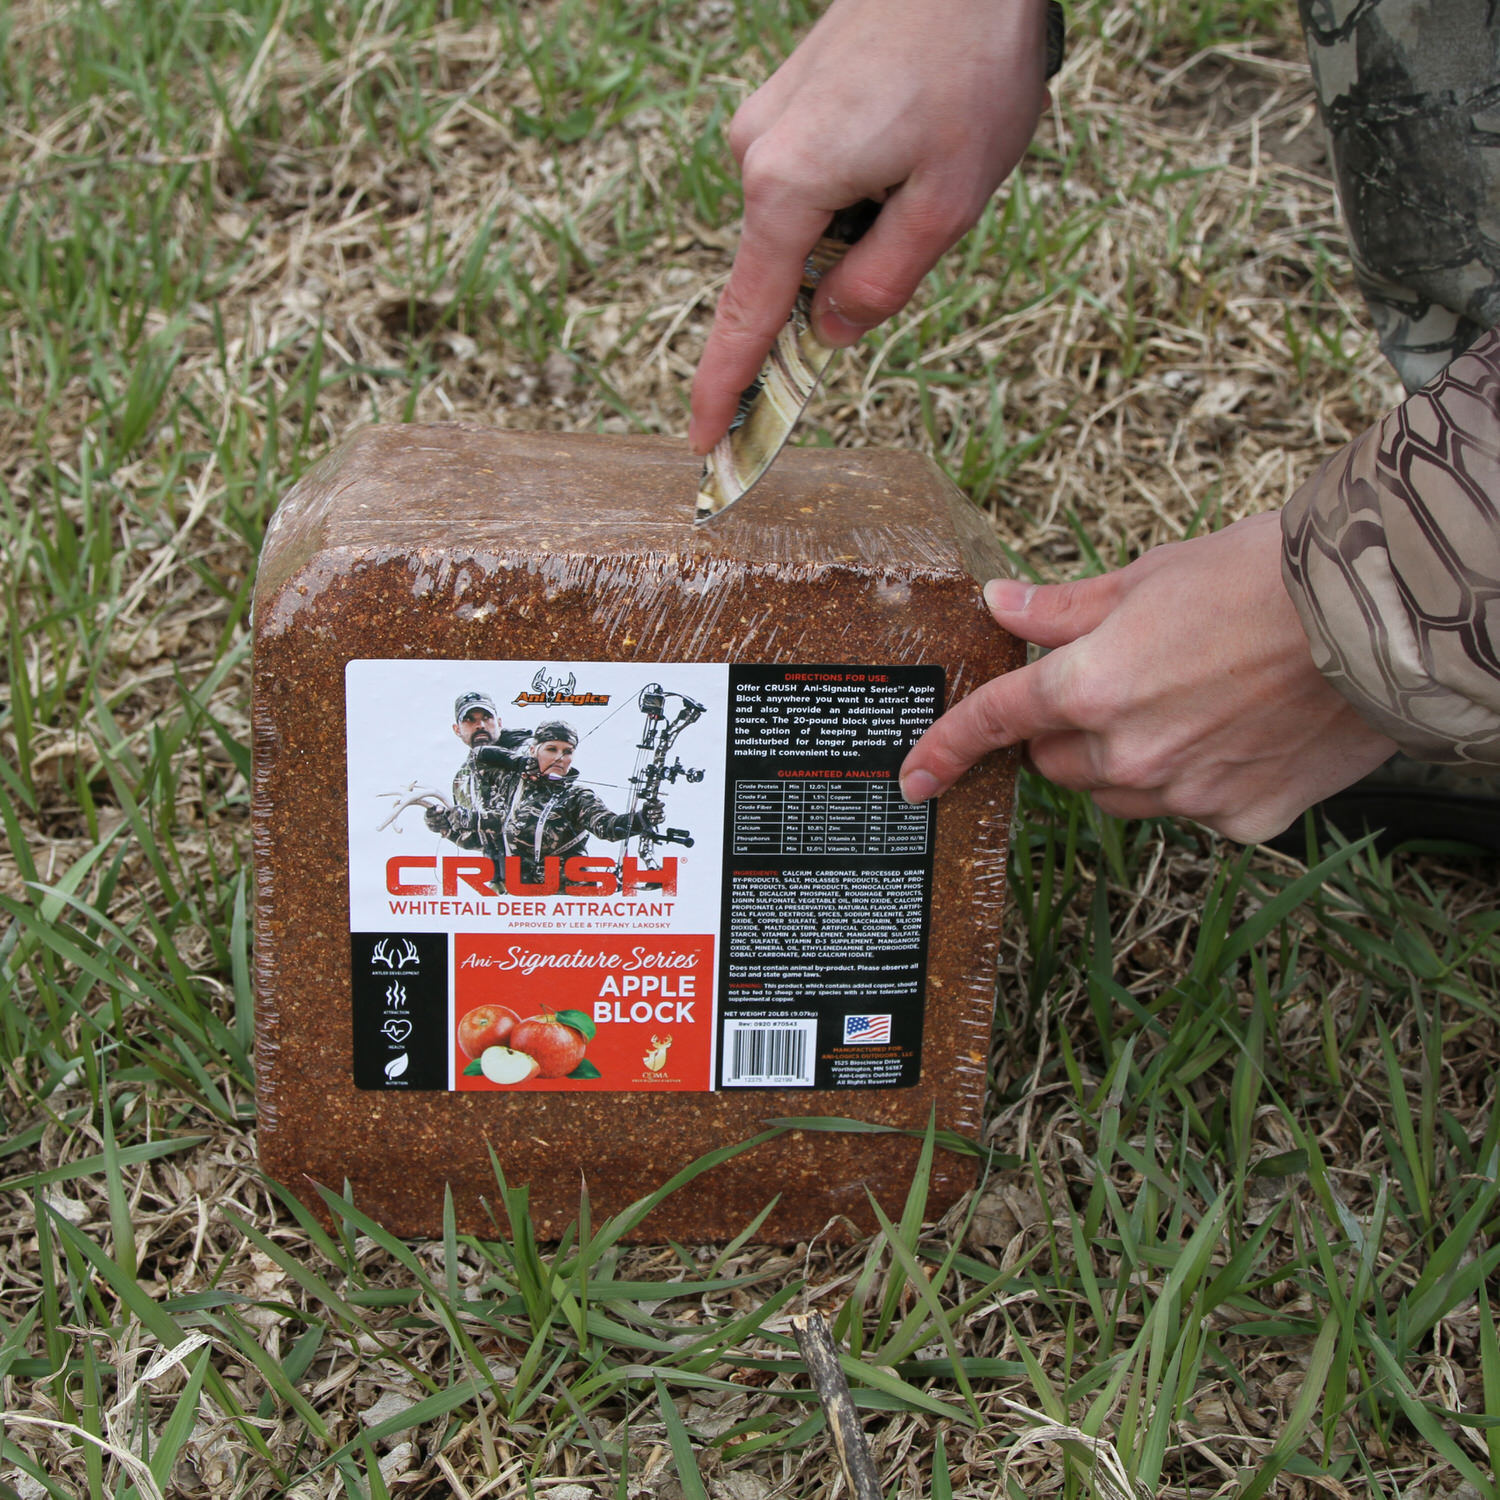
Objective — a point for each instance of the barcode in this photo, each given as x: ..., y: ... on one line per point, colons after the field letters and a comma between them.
x: 775, y: 1055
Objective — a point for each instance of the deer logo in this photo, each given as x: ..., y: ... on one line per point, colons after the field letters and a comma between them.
x: 554, y: 692
x: 656, y: 1059
x: 385, y: 953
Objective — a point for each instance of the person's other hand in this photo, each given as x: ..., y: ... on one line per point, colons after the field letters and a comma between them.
x: 451, y: 822
x: 1180, y: 685
x: 924, y: 106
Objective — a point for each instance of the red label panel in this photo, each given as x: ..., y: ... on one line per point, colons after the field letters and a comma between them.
x: 649, y: 1002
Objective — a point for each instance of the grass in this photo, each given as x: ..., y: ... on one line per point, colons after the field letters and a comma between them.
x: 1237, y: 1229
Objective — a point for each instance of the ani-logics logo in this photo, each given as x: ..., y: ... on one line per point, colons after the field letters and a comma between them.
x: 545, y: 691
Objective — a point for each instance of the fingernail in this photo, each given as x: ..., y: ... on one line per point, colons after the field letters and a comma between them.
x: 1008, y: 595
x: 919, y: 786
x: 837, y: 331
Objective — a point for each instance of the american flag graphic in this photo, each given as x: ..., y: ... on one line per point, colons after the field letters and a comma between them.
x: 867, y: 1028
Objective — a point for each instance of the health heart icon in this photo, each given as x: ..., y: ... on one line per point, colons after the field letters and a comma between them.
x: 398, y: 1030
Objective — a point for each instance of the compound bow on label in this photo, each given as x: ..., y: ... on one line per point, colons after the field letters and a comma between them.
x: 651, y: 769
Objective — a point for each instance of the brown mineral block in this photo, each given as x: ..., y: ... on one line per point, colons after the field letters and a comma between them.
x: 578, y: 839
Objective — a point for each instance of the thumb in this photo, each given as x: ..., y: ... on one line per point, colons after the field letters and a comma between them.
x: 1053, y: 614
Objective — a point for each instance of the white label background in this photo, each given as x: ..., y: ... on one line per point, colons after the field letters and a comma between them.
x: 400, y: 731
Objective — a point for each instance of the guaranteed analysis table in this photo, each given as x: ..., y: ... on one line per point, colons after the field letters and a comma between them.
x: 832, y: 817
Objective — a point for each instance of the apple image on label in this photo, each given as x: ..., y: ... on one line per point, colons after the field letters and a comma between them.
x: 502, y: 1065
x: 556, y: 1046
x: 485, y: 1026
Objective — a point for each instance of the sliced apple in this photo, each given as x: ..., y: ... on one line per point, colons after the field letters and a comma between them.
x: 506, y: 1065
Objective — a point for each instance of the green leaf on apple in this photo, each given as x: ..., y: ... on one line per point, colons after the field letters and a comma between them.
x: 474, y: 1070
x: 585, y: 1069
x: 579, y: 1022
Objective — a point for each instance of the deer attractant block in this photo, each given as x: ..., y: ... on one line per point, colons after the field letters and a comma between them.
x: 578, y: 837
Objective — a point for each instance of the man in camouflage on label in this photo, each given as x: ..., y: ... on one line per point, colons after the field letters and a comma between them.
x: 482, y: 792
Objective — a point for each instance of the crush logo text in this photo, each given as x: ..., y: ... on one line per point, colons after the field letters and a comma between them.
x: 413, y: 875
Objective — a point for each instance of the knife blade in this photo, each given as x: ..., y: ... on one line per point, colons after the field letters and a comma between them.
x: 770, y: 406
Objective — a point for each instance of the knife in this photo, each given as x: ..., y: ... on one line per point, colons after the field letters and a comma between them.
x: 770, y: 405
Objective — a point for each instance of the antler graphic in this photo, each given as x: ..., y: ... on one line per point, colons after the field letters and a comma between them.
x: 411, y: 796
x: 383, y: 953
x: 553, y: 692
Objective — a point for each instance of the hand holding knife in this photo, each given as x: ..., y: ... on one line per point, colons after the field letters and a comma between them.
x: 887, y: 48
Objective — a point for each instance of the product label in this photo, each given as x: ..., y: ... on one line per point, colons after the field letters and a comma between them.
x: 626, y: 876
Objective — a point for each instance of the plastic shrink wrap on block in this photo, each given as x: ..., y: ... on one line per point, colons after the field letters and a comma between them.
x: 698, y: 906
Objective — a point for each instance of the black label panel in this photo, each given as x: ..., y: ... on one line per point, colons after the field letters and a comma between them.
x: 400, y: 1010
x: 827, y: 877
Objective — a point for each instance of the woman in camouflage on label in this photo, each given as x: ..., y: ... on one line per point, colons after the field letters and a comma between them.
x: 551, y: 816
x: 1393, y: 548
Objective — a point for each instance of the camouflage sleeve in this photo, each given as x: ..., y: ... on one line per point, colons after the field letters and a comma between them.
x: 1408, y: 91
x: 450, y: 822
x: 589, y: 812
x: 1392, y: 557
x: 501, y: 758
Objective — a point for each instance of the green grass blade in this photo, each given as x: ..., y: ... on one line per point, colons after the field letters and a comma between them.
x: 179, y: 1425
x: 687, y: 1473
x: 1299, y: 1419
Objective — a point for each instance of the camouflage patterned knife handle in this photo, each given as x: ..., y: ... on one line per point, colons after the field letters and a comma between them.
x: 848, y: 224
x: 1057, y: 38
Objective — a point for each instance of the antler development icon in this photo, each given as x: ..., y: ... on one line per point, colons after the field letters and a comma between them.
x: 391, y: 955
